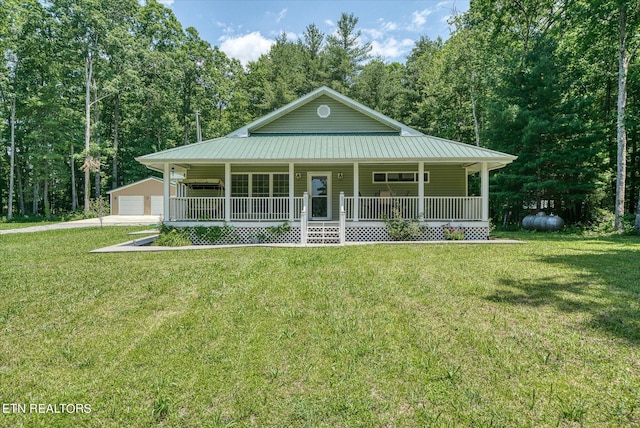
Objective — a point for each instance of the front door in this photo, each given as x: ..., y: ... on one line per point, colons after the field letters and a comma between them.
x: 320, y: 195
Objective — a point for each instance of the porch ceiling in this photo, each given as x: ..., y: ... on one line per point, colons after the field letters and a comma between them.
x: 327, y: 148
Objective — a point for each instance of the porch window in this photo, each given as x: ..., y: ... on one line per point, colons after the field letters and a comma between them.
x: 240, y: 185
x: 260, y: 185
x: 253, y: 195
x: 398, y: 177
x: 280, y: 185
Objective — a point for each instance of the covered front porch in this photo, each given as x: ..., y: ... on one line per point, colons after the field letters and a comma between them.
x: 347, y: 202
x: 357, y: 208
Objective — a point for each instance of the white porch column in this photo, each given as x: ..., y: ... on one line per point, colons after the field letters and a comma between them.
x: 291, y: 200
x: 166, y: 191
x: 227, y: 192
x: 484, y: 190
x: 421, y: 190
x: 303, y: 219
x: 343, y: 216
x: 356, y: 191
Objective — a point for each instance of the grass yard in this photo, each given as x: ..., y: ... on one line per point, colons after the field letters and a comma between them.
x: 542, y: 334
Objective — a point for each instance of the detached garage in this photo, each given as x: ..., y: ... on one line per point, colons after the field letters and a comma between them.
x: 143, y: 197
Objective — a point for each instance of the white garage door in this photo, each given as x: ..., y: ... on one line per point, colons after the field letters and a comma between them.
x: 131, y: 205
x: 157, y: 205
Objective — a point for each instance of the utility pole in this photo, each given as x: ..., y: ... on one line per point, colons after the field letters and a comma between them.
x: 198, y: 132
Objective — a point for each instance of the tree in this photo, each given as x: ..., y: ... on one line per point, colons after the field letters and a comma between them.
x: 313, y: 58
x: 380, y: 86
x: 277, y: 77
x: 557, y: 153
x: 9, y: 29
x: 627, y: 48
x: 345, y: 54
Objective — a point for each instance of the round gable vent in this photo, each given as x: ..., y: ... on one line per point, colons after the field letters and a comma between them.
x: 324, y: 111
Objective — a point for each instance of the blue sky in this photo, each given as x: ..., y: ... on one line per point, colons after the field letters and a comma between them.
x: 245, y: 29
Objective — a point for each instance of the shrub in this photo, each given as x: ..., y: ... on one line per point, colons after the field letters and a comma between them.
x: 172, y: 238
x: 212, y: 234
x: 453, y: 233
x: 401, y: 229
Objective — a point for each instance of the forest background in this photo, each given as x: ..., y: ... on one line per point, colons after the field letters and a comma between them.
x: 88, y: 85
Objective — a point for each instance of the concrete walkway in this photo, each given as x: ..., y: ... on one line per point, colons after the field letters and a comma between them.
x: 142, y: 245
x: 111, y: 220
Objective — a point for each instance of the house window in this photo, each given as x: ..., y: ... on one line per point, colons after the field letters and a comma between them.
x: 280, y: 185
x: 398, y: 177
x: 240, y: 185
x: 259, y: 185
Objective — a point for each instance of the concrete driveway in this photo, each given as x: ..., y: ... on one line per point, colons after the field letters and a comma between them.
x: 111, y: 220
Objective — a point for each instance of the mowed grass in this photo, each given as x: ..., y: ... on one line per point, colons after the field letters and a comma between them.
x: 541, y: 334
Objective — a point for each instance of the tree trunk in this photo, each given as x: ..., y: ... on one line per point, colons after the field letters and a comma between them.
x: 116, y: 116
x: 96, y: 120
x: 621, y: 169
x: 88, y: 74
x: 47, y: 206
x: 21, y: 192
x: 638, y: 214
x: 12, y: 159
x: 36, y: 198
x: 74, y: 192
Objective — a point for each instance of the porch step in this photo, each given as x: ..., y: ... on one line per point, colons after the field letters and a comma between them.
x: 323, y: 233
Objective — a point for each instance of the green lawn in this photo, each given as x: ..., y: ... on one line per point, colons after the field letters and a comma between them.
x: 542, y: 334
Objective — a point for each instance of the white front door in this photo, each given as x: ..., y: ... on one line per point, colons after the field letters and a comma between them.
x: 319, y: 188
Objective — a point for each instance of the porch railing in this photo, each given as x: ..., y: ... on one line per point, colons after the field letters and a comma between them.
x: 276, y: 208
x: 464, y: 208
x: 453, y: 208
x: 196, y: 209
x: 242, y: 208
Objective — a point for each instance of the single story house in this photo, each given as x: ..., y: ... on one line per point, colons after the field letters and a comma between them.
x: 333, y: 170
x: 144, y: 197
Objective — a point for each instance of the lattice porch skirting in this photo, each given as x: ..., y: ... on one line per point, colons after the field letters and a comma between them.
x: 361, y: 232
x: 250, y: 235
x: 371, y: 233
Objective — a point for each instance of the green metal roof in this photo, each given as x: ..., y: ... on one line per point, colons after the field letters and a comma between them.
x: 339, y: 142
x: 325, y: 148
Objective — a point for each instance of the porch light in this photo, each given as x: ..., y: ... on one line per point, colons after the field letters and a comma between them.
x: 340, y: 176
x: 298, y: 176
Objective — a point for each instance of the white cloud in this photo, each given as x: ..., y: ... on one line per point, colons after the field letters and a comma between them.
x: 291, y: 36
x: 329, y: 22
x: 381, y: 31
x: 420, y: 17
x: 391, y: 48
x: 281, y: 15
x: 372, y: 33
x: 166, y: 2
x: 389, y: 26
x: 246, y: 48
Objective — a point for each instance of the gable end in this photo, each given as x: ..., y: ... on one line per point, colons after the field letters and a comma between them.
x: 324, y: 115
